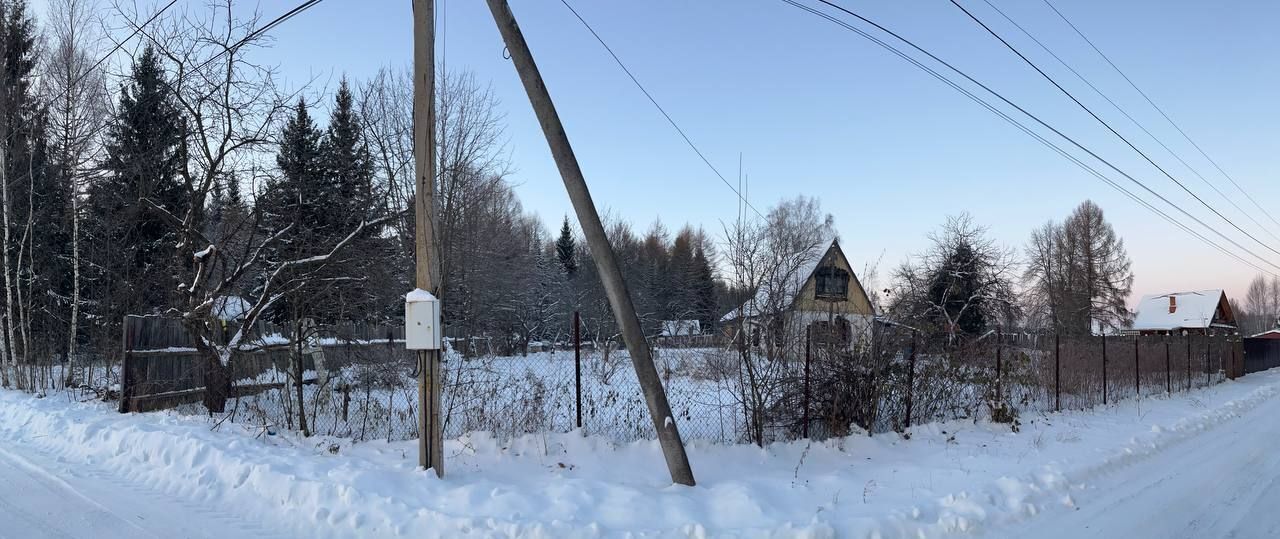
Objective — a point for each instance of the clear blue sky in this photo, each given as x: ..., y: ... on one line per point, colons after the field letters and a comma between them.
x: 816, y: 110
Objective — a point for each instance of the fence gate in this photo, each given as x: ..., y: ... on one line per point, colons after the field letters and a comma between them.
x: 1261, y: 354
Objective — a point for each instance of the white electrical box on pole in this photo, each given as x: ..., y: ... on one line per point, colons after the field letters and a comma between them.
x: 421, y: 321
x: 427, y: 260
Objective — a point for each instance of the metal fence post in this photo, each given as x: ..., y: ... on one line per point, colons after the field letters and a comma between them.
x: 1168, y: 368
x: 1057, y: 373
x: 126, y: 366
x: 1188, y: 339
x: 1137, y: 369
x: 999, y: 366
x: 577, y: 363
x: 808, y: 342
x: 1104, y: 369
x: 910, y: 382
x: 1208, y: 351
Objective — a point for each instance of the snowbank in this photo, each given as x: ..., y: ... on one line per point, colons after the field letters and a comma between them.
x: 952, y: 477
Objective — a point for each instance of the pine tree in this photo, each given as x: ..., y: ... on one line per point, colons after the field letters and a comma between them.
x: 17, y: 41
x: 679, y: 281
x: 324, y: 192
x: 133, y: 243
x: 704, y: 286
x: 44, y: 209
x: 348, y: 167
x: 955, y: 289
x: 566, y: 250
x: 348, y: 174
x: 296, y: 199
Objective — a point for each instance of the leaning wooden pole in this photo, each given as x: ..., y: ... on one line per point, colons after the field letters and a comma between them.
x: 427, y: 266
x: 601, y: 251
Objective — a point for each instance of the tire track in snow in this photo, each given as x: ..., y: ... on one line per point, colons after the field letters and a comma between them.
x: 94, y: 502
x: 1166, y: 484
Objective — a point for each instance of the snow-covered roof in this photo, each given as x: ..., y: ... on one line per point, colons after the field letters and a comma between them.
x: 230, y: 308
x: 788, y: 288
x: 1181, y: 310
x: 676, y: 328
x: 1269, y: 334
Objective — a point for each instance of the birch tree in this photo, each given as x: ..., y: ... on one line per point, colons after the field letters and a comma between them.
x: 76, y: 93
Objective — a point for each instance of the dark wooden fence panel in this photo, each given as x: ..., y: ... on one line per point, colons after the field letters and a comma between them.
x: 1261, y: 354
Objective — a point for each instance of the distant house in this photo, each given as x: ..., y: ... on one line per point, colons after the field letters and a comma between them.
x: 231, y: 308
x: 823, y: 294
x: 1273, y: 334
x: 681, y: 328
x: 1189, y: 313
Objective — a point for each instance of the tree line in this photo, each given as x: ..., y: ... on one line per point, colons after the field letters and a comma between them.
x: 191, y: 183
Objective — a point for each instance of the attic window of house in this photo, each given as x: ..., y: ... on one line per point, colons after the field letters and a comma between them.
x: 832, y: 283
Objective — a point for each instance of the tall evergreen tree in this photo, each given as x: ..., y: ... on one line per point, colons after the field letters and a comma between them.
x: 133, y: 252
x: 704, y: 291
x: 348, y: 169
x: 294, y: 196
x: 45, y: 214
x: 566, y: 250
x: 956, y: 291
x: 348, y: 174
x: 324, y: 191
x: 295, y: 200
x: 17, y: 112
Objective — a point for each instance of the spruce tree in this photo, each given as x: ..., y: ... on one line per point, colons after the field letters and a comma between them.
x: 296, y: 199
x: 134, y: 244
x: 348, y: 172
x: 955, y: 289
x: 348, y: 167
x: 566, y: 250
x: 295, y: 196
x: 704, y: 289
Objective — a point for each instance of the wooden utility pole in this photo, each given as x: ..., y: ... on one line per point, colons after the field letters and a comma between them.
x: 601, y: 251
x: 427, y: 267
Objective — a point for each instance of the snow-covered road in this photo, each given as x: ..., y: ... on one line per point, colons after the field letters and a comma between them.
x: 1203, y: 463
x: 1223, y: 482
x: 41, y: 496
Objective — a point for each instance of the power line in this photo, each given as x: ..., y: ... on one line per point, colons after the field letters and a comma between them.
x: 242, y: 41
x: 262, y: 30
x: 1133, y: 120
x: 1028, y: 131
x: 1108, y: 126
x: 670, y: 120
x: 119, y: 45
x: 1057, y: 132
x: 1160, y: 110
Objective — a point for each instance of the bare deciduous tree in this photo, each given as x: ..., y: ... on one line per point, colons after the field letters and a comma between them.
x: 962, y: 286
x: 1079, y: 274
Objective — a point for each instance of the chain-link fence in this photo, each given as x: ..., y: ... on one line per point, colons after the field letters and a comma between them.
x: 359, y: 382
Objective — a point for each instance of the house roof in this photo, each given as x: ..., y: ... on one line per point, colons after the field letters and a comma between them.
x: 1189, y: 310
x: 790, y: 287
x: 1269, y: 334
x: 230, y: 308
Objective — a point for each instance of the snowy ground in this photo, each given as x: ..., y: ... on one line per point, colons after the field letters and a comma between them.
x: 1199, y: 464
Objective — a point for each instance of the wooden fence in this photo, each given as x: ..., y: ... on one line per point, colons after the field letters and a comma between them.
x: 162, y: 367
